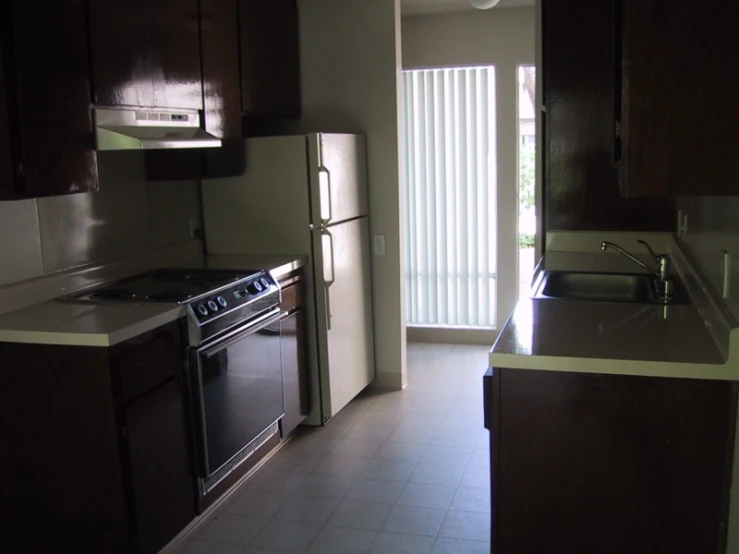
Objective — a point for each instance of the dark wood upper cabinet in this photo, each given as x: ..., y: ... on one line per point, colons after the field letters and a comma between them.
x: 219, y: 32
x: 45, y: 119
x: 228, y: 58
x: 6, y: 159
x: 219, y: 41
x: 581, y: 183
x: 270, y: 58
x: 250, y: 67
x: 146, y: 53
x: 679, y: 112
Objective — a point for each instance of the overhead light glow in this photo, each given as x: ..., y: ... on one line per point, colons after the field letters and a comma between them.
x: 484, y: 4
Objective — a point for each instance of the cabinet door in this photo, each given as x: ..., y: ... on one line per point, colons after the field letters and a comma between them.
x: 221, y: 83
x: 219, y: 36
x: 146, y: 53
x: 611, y: 463
x: 7, y: 184
x: 270, y: 58
x: 48, y: 84
x: 679, y: 105
x: 162, y: 482
x: 580, y: 181
x: 294, y: 369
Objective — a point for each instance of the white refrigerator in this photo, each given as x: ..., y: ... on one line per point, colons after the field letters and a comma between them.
x: 307, y: 195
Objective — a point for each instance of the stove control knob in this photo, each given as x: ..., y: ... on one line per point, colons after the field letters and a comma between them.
x: 202, y: 310
x: 265, y: 283
x: 213, y: 306
x: 255, y: 287
x: 221, y: 301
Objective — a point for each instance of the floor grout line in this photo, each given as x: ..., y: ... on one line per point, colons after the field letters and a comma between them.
x: 423, y: 399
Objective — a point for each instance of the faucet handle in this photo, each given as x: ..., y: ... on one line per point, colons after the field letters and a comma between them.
x: 654, y: 255
x: 662, y: 260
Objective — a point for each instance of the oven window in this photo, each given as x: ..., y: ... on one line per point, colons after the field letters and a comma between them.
x: 241, y: 394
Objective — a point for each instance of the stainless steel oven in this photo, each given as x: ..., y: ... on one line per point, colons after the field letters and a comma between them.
x: 234, y: 365
x: 236, y: 391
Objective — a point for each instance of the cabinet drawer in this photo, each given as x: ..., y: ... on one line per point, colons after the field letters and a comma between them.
x: 144, y: 362
x: 292, y: 297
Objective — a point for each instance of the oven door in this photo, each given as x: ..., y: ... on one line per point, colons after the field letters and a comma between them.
x: 236, y: 386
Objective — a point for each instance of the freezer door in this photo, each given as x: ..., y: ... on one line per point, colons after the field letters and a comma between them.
x: 338, y: 178
x: 343, y: 312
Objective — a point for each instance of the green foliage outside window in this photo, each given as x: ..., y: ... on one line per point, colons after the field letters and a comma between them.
x: 526, y: 191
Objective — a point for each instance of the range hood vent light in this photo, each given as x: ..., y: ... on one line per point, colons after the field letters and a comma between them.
x: 150, y: 130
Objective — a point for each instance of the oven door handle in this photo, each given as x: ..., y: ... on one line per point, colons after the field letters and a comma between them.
x: 273, y: 316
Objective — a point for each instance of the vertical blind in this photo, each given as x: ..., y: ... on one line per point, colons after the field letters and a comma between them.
x: 449, y: 188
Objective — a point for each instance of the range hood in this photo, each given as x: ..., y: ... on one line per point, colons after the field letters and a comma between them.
x: 150, y: 129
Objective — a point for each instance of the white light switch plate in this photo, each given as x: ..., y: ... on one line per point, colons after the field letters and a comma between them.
x: 379, y: 245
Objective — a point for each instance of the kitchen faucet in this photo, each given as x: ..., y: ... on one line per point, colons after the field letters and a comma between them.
x: 665, y: 282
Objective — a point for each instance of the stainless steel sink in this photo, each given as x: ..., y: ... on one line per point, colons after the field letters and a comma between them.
x: 597, y: 287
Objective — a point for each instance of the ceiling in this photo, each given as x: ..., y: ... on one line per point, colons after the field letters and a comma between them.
x: 419, y: 7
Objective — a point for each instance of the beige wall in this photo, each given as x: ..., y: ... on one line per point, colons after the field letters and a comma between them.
x: 350, y: 76
x: 127, y: 216
x: 506, y: 39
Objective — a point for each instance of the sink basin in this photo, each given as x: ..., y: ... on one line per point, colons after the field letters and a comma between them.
x: 597, y: 287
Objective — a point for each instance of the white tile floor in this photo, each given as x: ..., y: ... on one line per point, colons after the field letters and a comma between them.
x: 397, y: 472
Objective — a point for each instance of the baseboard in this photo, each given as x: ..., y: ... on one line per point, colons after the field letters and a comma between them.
x: 451, y: 335
x: 388, y: 381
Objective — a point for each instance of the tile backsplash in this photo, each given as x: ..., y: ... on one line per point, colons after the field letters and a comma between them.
x: 127, y: 216
x: 713, y: 227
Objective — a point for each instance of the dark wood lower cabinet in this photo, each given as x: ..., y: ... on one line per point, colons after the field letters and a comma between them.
x: 584, y: 463
x: 294, y: 361
x: 161, y: 487
x: 95, y: 452
x: 294, y: 377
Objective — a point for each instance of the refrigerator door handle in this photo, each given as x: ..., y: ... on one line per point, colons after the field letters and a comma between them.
x: 327, y: 282
x: 324, y: 182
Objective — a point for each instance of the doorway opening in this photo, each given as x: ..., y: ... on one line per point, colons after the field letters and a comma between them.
x: 526, y: 176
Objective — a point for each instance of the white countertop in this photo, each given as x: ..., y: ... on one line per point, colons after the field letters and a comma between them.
x: 106, y: 324
x: 599, y: 337
x: 84, y: 324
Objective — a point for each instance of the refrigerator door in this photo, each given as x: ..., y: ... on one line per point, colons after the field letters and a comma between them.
x: 343, y: 312
x: 338, y: 178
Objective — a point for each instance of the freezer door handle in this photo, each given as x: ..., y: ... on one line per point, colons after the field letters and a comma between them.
x: 328, y: 252
x: 324, y: 184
